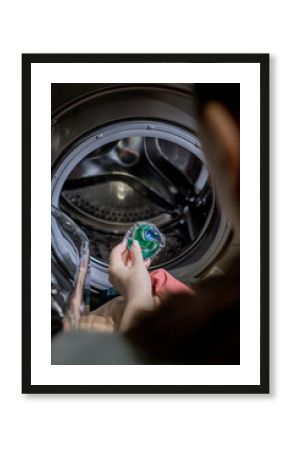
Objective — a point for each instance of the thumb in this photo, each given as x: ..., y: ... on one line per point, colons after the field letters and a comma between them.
x: 137, y: 253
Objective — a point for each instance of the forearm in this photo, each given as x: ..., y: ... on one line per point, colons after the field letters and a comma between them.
x: 133, y: 308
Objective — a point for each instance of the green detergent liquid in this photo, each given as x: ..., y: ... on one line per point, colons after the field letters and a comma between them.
x: 150, y: 239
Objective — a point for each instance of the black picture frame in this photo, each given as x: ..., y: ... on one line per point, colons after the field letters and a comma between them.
x: 263, y: 61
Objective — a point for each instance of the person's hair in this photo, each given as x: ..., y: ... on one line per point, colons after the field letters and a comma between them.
x: 228, y: 94
x: 200, y: 329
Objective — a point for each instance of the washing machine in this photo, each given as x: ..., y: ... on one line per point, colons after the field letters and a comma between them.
x: 124, y: 153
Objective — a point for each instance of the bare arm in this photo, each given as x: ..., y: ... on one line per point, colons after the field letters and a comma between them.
x: 128, y: 273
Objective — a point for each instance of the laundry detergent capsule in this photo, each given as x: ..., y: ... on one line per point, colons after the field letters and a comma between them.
x: 149, y: 237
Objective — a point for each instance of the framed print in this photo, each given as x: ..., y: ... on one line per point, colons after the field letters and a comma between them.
x: 146, y: 219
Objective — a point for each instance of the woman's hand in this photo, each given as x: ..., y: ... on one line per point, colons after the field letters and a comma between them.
x: 128, y: 272
x: 129, y: 275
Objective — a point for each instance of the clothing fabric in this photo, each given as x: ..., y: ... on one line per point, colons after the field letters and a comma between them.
x: 164, y: 285
x: 84, y: 348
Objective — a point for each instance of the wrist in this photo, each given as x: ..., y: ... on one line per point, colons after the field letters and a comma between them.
x: 134, y: 306
x: 137, y: 300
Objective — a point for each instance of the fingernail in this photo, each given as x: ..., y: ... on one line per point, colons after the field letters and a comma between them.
x: 136, y: 243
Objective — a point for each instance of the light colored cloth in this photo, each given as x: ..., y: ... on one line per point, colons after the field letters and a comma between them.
x: 108, y: 316
x: 112, y: 312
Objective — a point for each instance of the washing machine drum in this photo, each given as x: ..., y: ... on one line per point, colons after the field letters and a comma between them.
x: 128, y: 153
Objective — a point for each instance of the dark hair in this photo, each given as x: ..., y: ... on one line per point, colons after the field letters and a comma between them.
x: 200, y: 329
x: 227, y: 94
